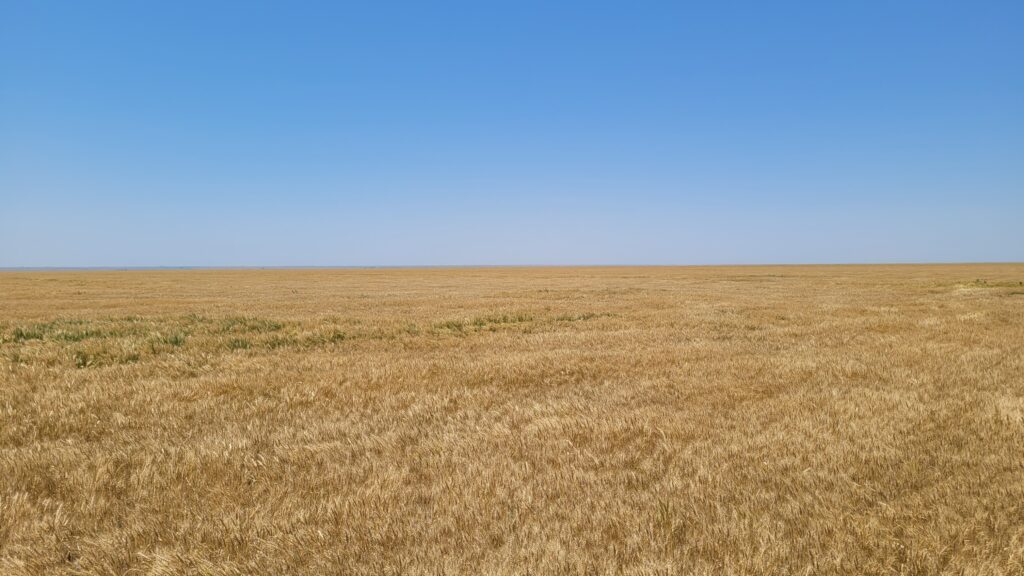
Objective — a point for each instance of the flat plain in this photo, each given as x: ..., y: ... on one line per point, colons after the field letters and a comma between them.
x: 691, y: 420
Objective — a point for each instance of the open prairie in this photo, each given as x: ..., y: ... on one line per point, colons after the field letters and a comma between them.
x: 741, y: 420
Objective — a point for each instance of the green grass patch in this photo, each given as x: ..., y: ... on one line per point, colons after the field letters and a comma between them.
x: 26, y: 334
x: 496, y: 319
x: 239, y: 344
x: 577, y: 317
x: 247, y: 324
x: 173, y: 339
x: 454, y: 326
x: 275, y: 342
x: 79, y: 335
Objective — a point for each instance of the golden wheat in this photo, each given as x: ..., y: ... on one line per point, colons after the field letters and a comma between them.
x: 768, y: 420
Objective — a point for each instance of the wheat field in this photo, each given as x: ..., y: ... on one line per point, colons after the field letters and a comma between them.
x: 703, y: 420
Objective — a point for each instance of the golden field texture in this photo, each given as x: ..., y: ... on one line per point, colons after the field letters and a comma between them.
x: 747, y: 420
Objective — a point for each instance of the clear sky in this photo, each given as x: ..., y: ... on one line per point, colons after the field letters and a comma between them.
x: 431, y: 133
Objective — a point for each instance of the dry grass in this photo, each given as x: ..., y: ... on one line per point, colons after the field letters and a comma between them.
x: 777, y: 420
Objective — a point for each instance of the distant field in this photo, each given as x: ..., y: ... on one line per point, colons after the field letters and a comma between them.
x: 747, y: 420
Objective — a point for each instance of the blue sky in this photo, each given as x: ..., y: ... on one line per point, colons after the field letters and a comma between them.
x: 432, y: 133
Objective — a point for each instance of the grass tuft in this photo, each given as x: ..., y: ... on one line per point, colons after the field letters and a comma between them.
x: 577, y: 317
x: 455, y: 326
x: 83, y: 359
x: 26, y: 334
x: 173, y: 339
x: 238, y: 344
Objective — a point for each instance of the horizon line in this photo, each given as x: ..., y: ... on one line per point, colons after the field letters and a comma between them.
x: 470, y: 266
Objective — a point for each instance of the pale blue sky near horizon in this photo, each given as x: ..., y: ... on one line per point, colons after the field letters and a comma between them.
x: 459, y: 133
